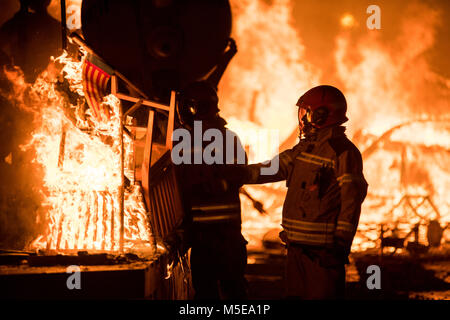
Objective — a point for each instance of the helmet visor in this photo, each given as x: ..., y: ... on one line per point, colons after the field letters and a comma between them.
x: 303, y: 114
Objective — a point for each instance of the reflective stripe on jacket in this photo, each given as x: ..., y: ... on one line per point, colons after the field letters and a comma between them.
x: 326, y: 188
x: 208, y: 198
x: 216, y: 213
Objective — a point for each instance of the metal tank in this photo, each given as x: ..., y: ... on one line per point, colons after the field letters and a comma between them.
x: 160, y: 45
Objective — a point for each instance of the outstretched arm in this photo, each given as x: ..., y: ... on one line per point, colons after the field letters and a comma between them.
x: 278, y: 169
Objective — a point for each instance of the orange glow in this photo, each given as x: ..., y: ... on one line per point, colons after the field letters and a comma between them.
x: 259, y: 91
x: 81, y: 161
x: 398, y: 108
x: 385, y: 86
x: 348, y: 21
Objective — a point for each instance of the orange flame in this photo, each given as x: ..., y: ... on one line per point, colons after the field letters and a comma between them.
x: 386, y: 85
x: 81, y: 158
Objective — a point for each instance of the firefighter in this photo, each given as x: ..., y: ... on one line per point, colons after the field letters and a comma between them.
x: 326, y: 188
x: 213, y: 213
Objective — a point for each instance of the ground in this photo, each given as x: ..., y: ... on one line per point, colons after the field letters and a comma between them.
x: 424, y: 277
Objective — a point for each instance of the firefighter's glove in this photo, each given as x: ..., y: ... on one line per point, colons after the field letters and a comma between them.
x: 284, y: 238
x: 337, y: 255
x: 341, y: 247
x: 173, y: 244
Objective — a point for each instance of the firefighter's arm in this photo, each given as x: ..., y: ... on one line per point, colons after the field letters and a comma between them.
x: 353, y: 189
x: 277, y: 169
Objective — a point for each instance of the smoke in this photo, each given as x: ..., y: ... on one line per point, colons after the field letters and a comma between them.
x: 21, y: 200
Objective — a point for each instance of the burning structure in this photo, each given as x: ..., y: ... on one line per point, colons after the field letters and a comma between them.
x: 397, y: 102
x: 102, y: 143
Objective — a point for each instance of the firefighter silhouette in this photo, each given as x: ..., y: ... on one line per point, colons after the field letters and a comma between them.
x: 212, y: 225
x: 212, y: 206
x: 326, y: 188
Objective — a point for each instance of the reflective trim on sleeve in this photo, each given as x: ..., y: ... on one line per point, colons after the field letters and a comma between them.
x: 312, y: 158
x: 345, y: 226
x: 309, y: 226
x: 223, y: 207
x: 204, y: 213
x: 347, y: 178
x: 214, y: 218
x: 308, y: 238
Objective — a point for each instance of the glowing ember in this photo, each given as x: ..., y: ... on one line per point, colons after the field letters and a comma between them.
x: 348, y: 20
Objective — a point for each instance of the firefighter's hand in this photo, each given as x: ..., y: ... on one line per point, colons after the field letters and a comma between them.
x: 174, y: 244
x: 341, y: 247
x: 283, y: 237
x: 336, y: 255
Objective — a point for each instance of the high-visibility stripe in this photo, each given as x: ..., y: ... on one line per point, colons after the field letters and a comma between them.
x: 308, y: 237
x: 345, y: 226
x: 214, y: 218
x: 309, y: 161
x: 309, y: 226
x: 318, y: 157
x: 312, y: 158
x: 217, y: 207
x: 347, y: 178
x: 216, y: 212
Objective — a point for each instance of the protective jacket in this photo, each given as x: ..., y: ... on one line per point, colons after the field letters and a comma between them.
x: 326, y: 187
x: 211, y: 199
x: 213, y: 224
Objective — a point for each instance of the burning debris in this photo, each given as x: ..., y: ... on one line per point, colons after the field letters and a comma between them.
x: 80, y: 156
x: 398, y: 106
x: 70, y: 195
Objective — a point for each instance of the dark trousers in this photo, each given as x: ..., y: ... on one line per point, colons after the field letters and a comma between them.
x: 218, y: 262
x: 314, y: 274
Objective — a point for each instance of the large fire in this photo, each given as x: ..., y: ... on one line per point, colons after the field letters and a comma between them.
x: 81, y: 158
x: 398, y: 110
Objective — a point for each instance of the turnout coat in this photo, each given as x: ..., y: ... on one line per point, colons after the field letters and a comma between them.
x: 326, y: 188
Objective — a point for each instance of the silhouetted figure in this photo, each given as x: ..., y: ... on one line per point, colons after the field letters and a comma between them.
x: 326, y: 187
x: 213, y: 212
x: 31, y: 37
